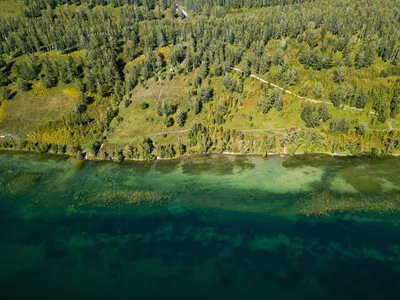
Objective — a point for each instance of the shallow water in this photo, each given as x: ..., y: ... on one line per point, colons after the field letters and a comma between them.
x: 304, y: 227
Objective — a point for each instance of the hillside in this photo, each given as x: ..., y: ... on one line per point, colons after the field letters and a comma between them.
x: 141, y: 79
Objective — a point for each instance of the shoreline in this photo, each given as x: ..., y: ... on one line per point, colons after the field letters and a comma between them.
x: 225, y: 153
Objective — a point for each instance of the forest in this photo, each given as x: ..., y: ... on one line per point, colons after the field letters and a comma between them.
x: 147, y: 79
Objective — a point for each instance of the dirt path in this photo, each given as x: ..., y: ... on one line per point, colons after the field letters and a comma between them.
x: 4, y: 135
x: 244, y: 130
x: 298, y: 96
x: 264, y: 129
x: 182, y: 10
x: 389, y: 125
x: 158, y: 101
x: 167, y: 132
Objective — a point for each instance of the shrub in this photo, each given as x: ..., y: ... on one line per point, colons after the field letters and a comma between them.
x: 170, y: 109
x: 291, y: 77
x: 271, y: 99
x: 318, y: 90
x: 127, y: 102
x: 169, y: 122
x: 144, y: 105
x: 323, y: 112
x: 206, y: 93
x: 395, y: 105
x: 361, y: 100
x: 341, y: 125
x: 182, y: 149
x: 120, y: 156
x: 23, y: 85
x: 197, y: 106
x: 338, y: 75
x: 277, y: 100
x: 5, y: 93
x: 361, y: 129
x: 181, y: 118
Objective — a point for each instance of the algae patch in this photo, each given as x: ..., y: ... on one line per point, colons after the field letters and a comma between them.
x: 111, y: 198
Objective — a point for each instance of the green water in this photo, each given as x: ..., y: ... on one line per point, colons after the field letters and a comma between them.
x: 216, y: 227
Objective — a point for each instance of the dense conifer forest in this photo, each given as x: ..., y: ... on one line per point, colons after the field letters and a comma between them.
x: 140, y: 79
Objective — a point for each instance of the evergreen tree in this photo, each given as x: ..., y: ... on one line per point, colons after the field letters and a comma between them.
x: 323, y: 112
x: 310, y: 115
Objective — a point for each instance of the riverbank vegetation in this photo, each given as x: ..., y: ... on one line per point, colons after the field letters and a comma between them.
x: 146, y: 79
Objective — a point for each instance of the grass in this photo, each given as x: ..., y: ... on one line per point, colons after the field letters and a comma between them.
x: 27, y: 111
x: 56, y: 55
x: 11, y: 8
x: 138, y: 122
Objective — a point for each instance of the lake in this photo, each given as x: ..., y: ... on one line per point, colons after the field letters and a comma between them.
x: 216, y: 227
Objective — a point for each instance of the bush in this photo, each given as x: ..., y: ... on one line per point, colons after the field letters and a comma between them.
x: 318, y: 90
x: 120, y: 156
x: 144, y: 105
x: 338, y: 96
x: 312, y: 59
x: 338, y: 75
x: 383, y: 111
x: 340, y: 126
x: 43, y: 147
x: 271, y: 99
x: 4, y: 93
x: 291, y: 77
x: 264, y: 105
x: 181, y: 118
x: 197, y: 106
x: 127, y: 102
x: 206, y: 93
x: 361, y: 129
x: 277, y: 100
x: 395, y: 105
x: 169, y: 122
x: 23, y: 85
x: 182, y: 149
x: 323, y: 112
x: 361, y: 100
x: 170, y: 109
x: 95, y: 147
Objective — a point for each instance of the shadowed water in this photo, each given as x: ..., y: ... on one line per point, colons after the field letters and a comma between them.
x: 304, y: 227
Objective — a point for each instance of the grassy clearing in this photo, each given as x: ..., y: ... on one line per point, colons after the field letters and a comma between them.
x: 29, y: 110
x: 138, y: 122
x: 56, y: 55
x: 11, y: 8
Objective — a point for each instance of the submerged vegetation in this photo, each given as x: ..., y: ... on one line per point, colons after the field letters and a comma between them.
x: 20, y: 183
x: 116, y: 198
x: 324, y: 203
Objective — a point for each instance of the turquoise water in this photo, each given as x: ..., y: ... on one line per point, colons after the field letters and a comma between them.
x: 303, y: 227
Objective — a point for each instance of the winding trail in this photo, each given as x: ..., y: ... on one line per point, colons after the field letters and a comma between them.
x: 298, y: 96
x: 244, y: 130
x: 389, y: 125
x: 167, y: 132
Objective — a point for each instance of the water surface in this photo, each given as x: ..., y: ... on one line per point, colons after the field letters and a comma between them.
x: 303, y: 227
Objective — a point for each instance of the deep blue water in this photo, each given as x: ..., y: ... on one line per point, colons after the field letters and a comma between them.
x: 217, y: 229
